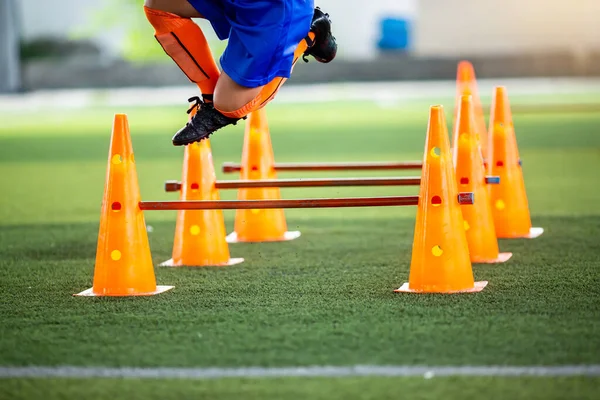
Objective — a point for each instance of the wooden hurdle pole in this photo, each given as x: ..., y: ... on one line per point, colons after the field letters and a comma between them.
x: 230, y: 167
x: 175, y: 186
x: 463, y: 198
x: 283, y: 203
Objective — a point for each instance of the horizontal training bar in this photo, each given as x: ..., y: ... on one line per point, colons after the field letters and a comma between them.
x: 229, y: 167
x: 553, y: 108
x: 463, y: 198
x: 284, y: 203
x: 325, y: 182
x: 174, y: 186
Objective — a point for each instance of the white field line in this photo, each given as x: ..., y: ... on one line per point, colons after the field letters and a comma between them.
x: 379, y: 92
x: 313, y: 371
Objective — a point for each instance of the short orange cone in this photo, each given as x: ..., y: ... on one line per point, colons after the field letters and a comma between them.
x: 510, y: 207
x: 440, y: 255
x: 199, y: 234
x: 470, y: 176
x: 466, y: 84
x: 123, y: 260
x: 258, y: 163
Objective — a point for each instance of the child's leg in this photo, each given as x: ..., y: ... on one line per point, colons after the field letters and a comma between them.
x: 182, y: 8
x: 183, y: 41
x: 236, y: 101
x: 257, y: 60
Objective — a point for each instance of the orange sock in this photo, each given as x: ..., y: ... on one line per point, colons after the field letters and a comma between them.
x: 268, y: 92
x: 185, y: 43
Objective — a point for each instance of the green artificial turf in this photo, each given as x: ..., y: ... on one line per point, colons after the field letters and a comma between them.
x: 315, y: 388
x: 326, y: 298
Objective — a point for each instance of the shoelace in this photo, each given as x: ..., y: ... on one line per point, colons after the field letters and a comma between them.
x: 197, y: 103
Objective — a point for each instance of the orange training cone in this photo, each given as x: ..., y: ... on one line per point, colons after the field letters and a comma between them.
x: 123, y: 260
x: 258, y: 163
x: 510, y: 207
x: 440, y: 255
x: 466, y: 84
x: 199, y: 234
x: 470, y: 176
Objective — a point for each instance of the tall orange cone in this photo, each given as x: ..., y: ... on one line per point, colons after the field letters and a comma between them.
x: 123, y: 260
x: 470, y: 177
x: 199, y: 234
x: 466, y: 84
x: 258, y: 163
x: 510, y: 207
x: 440, y: 255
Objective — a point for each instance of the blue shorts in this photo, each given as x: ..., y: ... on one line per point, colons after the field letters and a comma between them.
x: 263, y: 35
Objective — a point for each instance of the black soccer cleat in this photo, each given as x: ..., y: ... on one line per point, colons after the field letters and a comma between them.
x: 324, y: 47
x: 206, y: 120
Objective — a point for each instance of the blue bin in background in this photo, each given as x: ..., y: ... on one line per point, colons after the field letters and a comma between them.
x: 395, y: 34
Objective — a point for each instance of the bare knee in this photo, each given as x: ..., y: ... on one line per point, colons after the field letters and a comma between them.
x: 178, y: 7
x: 230, y: 96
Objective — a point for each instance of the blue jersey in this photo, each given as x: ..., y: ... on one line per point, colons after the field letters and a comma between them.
x: 263, y: 35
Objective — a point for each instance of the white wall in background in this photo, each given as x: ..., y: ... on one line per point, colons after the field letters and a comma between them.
x: 473, y: 27
x: 356, y: 22
x: 62, y: 18
x: 442, y: 27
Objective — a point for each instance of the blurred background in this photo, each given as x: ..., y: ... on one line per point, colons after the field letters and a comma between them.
x: 108, y: 43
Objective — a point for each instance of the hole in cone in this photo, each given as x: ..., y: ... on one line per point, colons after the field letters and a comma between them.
x: 116, y: 159
x: 464, y: 181
x: 115, y: 255
x: 436, y: 201
x: 194, y: 230
x: 116, y: 206
x: 194, y: 186
x: 499, y: 164
x: 435, y: 152
x: 437, y: 251
x: 254, y: 168
x: 500, y: 205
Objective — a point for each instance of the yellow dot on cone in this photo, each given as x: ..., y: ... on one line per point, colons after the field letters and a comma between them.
x: 194, y: 230
x: 254, y: 211
x: 500, y: 205
x: 437, y: 251
x: 115, y: 255
x: 467, y: 227
x: 116, y: 159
